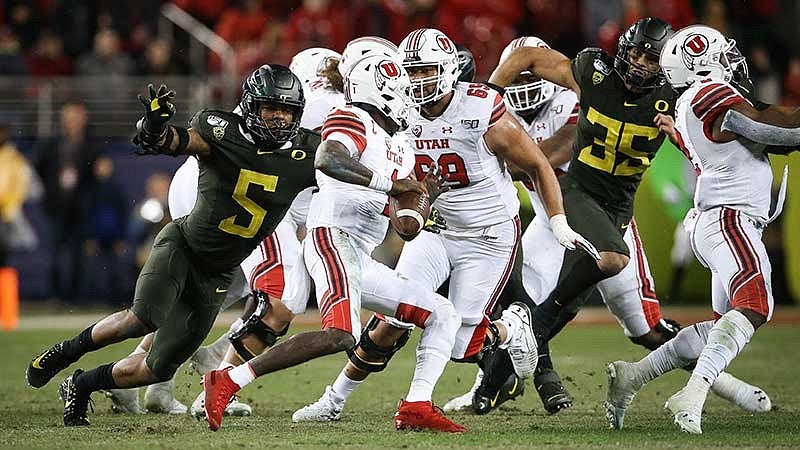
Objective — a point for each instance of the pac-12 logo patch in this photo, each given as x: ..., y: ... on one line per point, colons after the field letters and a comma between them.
x: 695, y: 45
x: 417, y: 130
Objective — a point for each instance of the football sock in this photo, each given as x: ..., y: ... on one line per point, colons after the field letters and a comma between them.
x: 242, y: 375
x: 433, y: 352
x: 544, y: 357
x: 96, y: 379
x: 224, y: 365
x: 679, y: 351
x: 726, y: 339
x: 343, y: 387
x: 80, y: 344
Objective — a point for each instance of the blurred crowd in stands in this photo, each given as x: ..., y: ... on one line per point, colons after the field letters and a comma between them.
x: 89, y: 218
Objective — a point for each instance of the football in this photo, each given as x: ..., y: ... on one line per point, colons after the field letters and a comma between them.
x: 408, y: 213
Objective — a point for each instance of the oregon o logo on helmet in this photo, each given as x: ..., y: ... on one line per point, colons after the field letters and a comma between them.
x: 695, y: 45
x: 444, y: 43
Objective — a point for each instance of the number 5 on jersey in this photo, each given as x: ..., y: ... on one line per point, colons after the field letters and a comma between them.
x: 247, y: 177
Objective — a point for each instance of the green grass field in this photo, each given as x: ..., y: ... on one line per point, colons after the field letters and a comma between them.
x: 32, y: 418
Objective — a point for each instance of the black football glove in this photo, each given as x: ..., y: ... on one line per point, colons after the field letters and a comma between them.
x: 151, y: 129
x: 435, y: 223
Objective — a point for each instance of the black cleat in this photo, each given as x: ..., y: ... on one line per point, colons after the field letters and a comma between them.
x: 484, y: 402
x: 554, y: 395
x: 44, y: 367
x: 75, y: 403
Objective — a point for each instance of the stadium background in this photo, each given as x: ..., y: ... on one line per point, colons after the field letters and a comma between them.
x: 92, y: 208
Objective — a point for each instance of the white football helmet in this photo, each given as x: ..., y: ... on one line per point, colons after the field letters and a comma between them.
x: 383, y: 83
x: 698, y: 52
x: 430, y: 47
x: 530, y: 95
x: 362, y: 47
x: 309, y: 64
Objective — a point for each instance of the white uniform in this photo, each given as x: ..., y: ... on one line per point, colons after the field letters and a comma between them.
x: 346, y: 223
x: 478, y: 248
x: 731, y: 201
x: 629, y: 295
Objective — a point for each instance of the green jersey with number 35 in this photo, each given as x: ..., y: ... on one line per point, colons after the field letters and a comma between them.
x: 616, y: 137
x: 244, y: 190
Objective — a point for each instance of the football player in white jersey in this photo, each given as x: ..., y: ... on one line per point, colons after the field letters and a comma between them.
x: 725, y: 138
x: 464, y: 129
x: 363, y: 157
x: 550, y: 114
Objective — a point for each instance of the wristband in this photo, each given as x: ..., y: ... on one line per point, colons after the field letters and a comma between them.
x: 380, y: 183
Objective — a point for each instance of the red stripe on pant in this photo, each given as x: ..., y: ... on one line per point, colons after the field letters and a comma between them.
x: 411, y: 314
x: 650, y: 306
x: 747, y: 287
x: 749, y: 291
x: 268, y: 276
x: 478, y: 336
x: 334, y: 306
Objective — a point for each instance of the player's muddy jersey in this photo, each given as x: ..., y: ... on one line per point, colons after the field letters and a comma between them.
x: 616, y: 138
x: 482, y: 192
x: 735, y: 174
x: 243, y: 190
x: 358, y: 210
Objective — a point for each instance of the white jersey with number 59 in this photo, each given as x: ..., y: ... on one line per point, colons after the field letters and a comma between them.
x: 482, y: 193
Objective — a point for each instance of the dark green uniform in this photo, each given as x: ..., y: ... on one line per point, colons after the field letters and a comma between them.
x: 243, y: 193
x: 615, y: 142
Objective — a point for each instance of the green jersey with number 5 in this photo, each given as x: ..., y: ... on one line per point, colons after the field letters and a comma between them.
x: 616, y: 137
x: 244, y: 190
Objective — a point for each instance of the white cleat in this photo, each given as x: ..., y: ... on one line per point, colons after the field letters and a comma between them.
x: 463, y: 402
x: 326, y: 409
x: 746, y: 396
x: 204, y: 360
x: 686, y: 407
x: 158, y: 398
x: 125, y: 401
x: 623, y: 384
x: 234, y: 408
x: 522, y: 348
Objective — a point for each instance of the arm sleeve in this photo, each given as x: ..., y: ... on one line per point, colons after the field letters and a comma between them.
x: 756, y: 131
x: 345, y: 127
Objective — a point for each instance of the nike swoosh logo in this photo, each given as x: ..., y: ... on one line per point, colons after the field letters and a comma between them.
x: 35, y: 362
x: 259, y: 152
x: 220, y: 291
x: 514, y: 389
x: 66, y: 405
x: 628, y: 104
x: 624, y: 226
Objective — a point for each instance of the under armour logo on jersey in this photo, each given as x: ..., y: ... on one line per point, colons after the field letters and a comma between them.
x: 540, y: 126
x: 447, y: 129
x: 417, y: 131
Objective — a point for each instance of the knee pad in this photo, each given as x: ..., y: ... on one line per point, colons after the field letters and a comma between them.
x: 253, y: 325
x: 376, y: 357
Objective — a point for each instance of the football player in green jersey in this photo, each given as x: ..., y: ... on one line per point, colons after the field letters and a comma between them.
x: 252, y: 165
x: 617, y: 137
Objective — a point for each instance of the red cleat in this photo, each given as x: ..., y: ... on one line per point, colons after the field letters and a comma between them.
x: 419, y: 416
x: 219, y: 389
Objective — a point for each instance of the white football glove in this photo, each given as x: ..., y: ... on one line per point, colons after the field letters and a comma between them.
x: 567, y: 237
